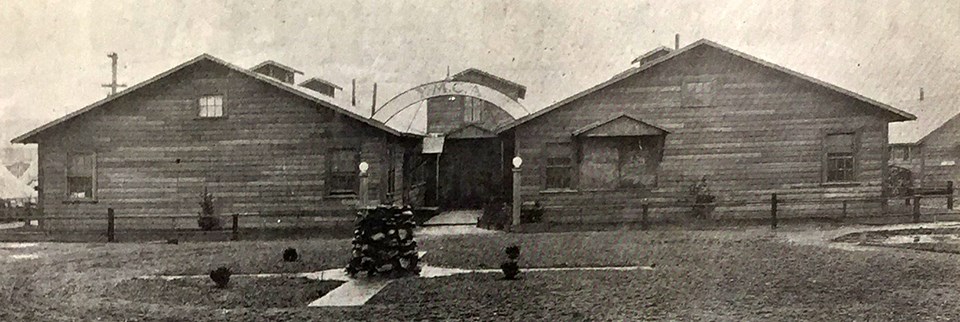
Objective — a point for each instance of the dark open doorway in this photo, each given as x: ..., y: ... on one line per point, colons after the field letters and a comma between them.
x: 470, y: 173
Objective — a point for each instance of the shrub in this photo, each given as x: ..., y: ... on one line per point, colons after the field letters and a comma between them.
x: 207, y: 220
x: 701, y: 199
x: 221, y: 276
x: 290, y: 255
x: 532, y: 213
x: 496, y: 215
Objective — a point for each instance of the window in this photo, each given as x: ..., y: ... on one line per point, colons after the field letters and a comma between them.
x: 697, y: 93
x: 344, y: 172
x: 559, y: 165
x: 900, y: 153
x: 619, y: 162
x: 81, y: 176
x: 472, y: 110
x: 211, y: 106
x: 840, y: 157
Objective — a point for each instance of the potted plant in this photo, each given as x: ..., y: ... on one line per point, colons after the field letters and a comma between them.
x: 510, y: 267
x: 208, y: 220
x: 221, y: 276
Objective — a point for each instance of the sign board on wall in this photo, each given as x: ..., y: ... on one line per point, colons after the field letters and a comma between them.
x: 433, y: 144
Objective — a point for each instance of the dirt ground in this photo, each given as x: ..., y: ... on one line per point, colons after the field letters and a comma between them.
x: 727, y: 275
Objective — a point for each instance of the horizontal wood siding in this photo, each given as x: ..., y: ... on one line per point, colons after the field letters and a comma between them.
x: 762, y: 134
x: 941, y: 154
x: 267, y: 155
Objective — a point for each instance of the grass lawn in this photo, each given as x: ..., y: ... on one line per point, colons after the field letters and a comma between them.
x: 708, y: 276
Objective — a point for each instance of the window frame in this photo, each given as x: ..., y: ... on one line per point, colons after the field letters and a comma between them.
x: 825, y: 164
x: 93, y: 177
x: 703, y: 98
x: 354, y: 173
x: 570, y: 166
x: 200, y: 106
x: 652, y: 161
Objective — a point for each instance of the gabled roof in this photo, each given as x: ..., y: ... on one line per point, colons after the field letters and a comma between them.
x: 657, y: 52
x: 522, y: 90
x: 321, y: 81
x: 322, y: 100
x: 278, y: 65
x: 620, y: 125
x: 950, y: 122
x: 901, y: 115
x: 471, y: 131
x: 933, y: 113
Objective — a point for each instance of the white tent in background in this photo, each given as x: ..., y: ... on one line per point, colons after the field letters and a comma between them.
x: 12, y: 188
x: 30, y: 176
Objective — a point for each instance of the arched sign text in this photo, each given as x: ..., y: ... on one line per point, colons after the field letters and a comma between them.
x: 444, y: 88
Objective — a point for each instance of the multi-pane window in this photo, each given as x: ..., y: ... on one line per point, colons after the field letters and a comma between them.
x: 343, y: 171
x: 81, y: 175
x: 472, y: 110
x: 559, y: 166
x: 211, y: 106
x: 617, y: 163
x: 697, y: 93
x: 840, y: 157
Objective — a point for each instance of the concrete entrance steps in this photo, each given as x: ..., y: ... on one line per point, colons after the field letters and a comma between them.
x: 455, y: 218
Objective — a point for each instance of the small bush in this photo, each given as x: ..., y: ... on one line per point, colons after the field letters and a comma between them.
x: 496, y: 215
x: 221, y: 276
x: 208, y: 220
x: 290, y: 255
x: 532, y: 213
x: 173, y: 241
x: 702, y: 199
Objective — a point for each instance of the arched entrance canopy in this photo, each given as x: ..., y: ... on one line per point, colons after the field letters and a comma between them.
x: 411, y: 97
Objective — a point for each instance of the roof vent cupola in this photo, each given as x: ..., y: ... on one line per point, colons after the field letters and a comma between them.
x: 277, y: 70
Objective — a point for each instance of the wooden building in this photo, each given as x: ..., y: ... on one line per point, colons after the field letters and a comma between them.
x: 705, y: 113
x: 258, y: 143
x: 679, y: 118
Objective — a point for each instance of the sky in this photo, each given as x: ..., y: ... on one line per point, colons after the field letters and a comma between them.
x: 53, y: 53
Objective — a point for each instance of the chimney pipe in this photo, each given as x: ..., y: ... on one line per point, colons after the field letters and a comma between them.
x: 353, y: 93
x: 373, y: 107
x: 676, y: 42
x: 921, y: 93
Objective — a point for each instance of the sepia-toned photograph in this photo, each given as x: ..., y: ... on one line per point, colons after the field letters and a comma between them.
x: 462, y: 160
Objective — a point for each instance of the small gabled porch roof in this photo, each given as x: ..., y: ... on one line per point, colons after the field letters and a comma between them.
x: 619, y: 125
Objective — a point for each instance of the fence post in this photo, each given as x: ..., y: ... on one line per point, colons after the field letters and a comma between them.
x: 916, y: 209
x: 110, y: 227
x: 844, y: 209
x: 773, y: 210
x: 644, y: 224
x: 236, y: 227
x: 950, y: 195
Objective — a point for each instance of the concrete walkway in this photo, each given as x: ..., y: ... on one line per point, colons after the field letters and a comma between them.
x: 356, y: 292
x: 455, y: 217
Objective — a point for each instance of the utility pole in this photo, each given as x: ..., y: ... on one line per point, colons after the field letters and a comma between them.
x: 113, y: 85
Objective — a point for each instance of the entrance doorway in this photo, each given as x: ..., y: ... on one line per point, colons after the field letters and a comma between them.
x: 470, y: 173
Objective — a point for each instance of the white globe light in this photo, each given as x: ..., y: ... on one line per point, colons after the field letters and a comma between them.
x: 517, y: 162
x: 364, y: 166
